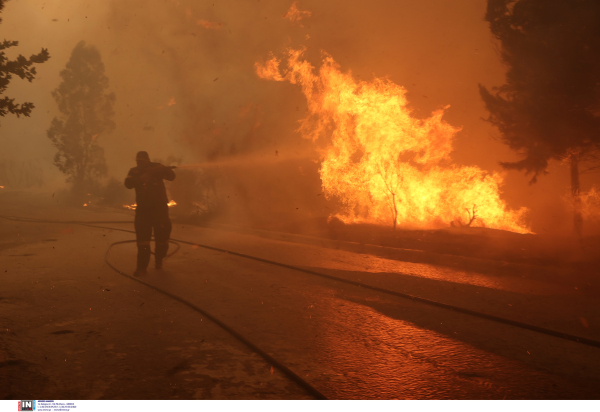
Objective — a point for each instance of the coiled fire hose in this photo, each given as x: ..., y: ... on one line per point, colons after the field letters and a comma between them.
x: 272, y: 361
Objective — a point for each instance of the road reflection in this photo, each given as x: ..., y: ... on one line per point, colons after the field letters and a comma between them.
x: 372, y: 356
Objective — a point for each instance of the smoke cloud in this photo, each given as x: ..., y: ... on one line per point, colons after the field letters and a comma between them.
x: 184, y: 76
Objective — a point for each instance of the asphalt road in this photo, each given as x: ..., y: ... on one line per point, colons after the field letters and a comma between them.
x: 71, y: 328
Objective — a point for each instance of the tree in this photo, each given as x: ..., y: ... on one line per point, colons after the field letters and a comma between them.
x: 549, y: 108
x: 21, y: 67
x: 86, y: 113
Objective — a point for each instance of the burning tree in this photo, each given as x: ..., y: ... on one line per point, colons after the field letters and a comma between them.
x: 21, y: 67
x: 549, y: 108
x: 86, y: 113
x: 392, y: 182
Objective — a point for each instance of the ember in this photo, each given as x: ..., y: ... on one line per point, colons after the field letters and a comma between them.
x: 386, y: 166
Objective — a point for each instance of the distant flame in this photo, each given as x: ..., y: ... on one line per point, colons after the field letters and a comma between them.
x: 134, y: 206
x: 295, y: 15
x: 171, y: 102
x: 1, y: 187
x: 85, y: 204
x: 386, y: 166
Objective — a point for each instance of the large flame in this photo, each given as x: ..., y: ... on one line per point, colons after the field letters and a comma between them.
x: 386, y: 166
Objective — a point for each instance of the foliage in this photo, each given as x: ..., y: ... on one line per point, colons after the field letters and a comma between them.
x: 86, y: 114
x: 21, y: 67
x: 113, y: 194
x: 549, y: 108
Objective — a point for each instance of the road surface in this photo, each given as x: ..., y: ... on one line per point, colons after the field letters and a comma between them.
x: 72, y: 328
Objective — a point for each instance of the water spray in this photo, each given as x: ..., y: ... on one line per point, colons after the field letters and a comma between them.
x: 245, y: 161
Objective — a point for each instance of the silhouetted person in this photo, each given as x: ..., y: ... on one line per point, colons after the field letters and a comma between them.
x: 152, y: 210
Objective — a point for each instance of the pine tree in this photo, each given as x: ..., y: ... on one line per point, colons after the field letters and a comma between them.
x: 549, y: 108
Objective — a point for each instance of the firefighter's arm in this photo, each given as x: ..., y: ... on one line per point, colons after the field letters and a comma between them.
x: 163, y: 172
x: 168, y: 173
x: 133, y: 179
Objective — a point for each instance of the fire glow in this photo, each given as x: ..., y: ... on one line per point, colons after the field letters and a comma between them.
x: 589, y: 204
x: 134, y: 206
x: 386, y: 166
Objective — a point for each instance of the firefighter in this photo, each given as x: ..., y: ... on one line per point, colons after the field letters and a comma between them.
x: 152, y: 210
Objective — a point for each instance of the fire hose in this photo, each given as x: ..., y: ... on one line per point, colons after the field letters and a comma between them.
x: 284, y: 369
x: 522, y: 325
x: 274, y: 362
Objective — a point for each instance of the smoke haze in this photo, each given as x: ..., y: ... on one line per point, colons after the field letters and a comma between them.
x: 186, y: 88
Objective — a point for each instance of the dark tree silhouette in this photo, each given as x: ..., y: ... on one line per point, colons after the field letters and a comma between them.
x: 549, y: 108
x: 21, y: 67
x: 86, y: 113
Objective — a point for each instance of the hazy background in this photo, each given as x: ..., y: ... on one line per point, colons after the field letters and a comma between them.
x: 183, y: 75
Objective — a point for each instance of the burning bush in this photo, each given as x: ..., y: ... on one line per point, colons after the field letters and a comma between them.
x: 386, y: 166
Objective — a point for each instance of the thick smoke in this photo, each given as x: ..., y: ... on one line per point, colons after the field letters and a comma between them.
x: 186, y: 89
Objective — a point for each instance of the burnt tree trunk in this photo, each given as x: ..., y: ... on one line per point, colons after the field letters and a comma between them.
x: 394, y: 210
x: 577, y: 217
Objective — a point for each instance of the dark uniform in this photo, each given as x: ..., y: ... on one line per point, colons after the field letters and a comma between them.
x: 151, y: 211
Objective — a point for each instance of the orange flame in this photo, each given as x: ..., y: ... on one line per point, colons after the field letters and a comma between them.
x: 386, y: 166
x: 134, y: 206
x: 269, y: 70
x: 295, y: 15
